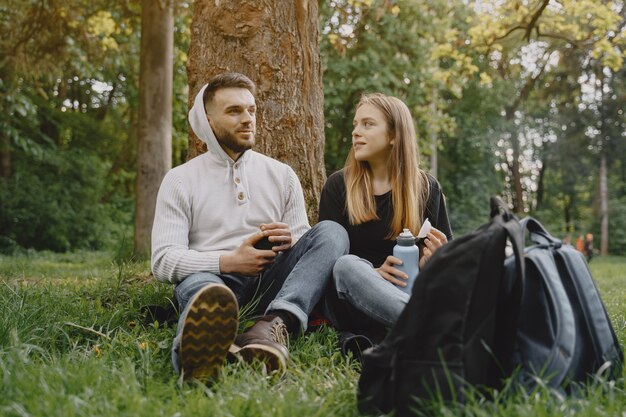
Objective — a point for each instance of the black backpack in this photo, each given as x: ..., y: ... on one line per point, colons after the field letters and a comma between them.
x: 445, y: 336
x: 476, y: 318
x: 564, y: 334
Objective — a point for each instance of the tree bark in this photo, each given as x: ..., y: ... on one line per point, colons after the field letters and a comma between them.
x: 5, y: 156
x: 154, y: 136
x: 604, y: 208
x: 516, y: 175
x: 514, y: 166
x: 433, y: 135
x: 540, y: 181
x: 276, y: 44
x: 520, y: 98
x: 567, y: 212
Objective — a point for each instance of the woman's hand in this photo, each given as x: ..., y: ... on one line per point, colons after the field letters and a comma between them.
x: 433, y: 241
x: 391, y: 274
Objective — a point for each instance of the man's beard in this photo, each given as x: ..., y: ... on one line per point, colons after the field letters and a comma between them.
x: 228, y: 139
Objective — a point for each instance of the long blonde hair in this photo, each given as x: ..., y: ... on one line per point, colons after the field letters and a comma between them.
x: 409, y: 183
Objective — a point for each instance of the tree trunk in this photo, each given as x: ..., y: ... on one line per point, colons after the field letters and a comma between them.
x: 276, y: 44
x: 154, y: 136
x: 509, y: 115
x: 5, y: 156
x: 433, y: 135
x: 604, y: 209
x: 514, y: 166
x: 516, y: 176
x: 540, y: 182
x: 567, y: 212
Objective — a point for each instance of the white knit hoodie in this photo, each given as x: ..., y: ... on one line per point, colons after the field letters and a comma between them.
x: 211, y: 204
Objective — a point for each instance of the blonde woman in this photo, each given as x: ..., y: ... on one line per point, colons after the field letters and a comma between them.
x: 380, y: 191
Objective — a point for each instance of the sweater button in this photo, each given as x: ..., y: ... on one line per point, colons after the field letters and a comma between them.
x: 237, y: 180
x: 240, y: 196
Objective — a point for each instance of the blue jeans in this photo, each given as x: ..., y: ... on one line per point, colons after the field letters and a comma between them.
x: 294, y: 283
x: 359, y: 300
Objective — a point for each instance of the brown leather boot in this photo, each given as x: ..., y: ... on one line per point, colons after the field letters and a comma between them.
x: 265, y: 342
x: 209, y: 329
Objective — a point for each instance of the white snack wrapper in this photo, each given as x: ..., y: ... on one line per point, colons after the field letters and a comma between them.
x: 425, y: 229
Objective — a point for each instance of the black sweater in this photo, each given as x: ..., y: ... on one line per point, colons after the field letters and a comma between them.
x: 368, y: 240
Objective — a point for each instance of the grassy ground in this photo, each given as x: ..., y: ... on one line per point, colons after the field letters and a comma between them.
x: 73, y: 342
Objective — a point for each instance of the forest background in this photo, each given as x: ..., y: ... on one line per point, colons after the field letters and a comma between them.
x: 522, y: 99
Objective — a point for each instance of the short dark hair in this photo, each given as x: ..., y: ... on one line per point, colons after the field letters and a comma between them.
x: 227, y: 80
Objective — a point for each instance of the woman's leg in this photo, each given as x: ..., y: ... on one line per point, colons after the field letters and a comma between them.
x: 359, y: 284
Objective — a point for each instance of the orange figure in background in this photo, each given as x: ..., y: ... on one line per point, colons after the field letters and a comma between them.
x: 580, y: 246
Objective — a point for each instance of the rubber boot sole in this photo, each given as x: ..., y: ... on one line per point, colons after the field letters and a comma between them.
x: 274, y: 359
x: 208, y: 331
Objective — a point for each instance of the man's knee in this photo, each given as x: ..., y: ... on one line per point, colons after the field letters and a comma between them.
x: 194, y: 283
x: 334, y: 233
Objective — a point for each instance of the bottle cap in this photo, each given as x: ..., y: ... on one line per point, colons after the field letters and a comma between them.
x: 406, y: 238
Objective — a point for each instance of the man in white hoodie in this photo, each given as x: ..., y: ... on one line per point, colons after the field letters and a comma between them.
x: 231, y: 228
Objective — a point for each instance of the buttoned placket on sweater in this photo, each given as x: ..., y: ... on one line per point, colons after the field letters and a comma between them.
x: 237, y: 174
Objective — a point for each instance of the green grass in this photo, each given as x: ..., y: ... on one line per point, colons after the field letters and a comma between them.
x: 73, y: 342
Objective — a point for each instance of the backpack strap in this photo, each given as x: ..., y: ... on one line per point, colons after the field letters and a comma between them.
x: 515, y: 231
x: 510, y: 300
x: 538, y: 234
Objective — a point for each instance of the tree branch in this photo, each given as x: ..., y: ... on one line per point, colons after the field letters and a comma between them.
x: 525, y: 91
x: 574, y: 43
x: 513, y: 29
x: 535, y: 18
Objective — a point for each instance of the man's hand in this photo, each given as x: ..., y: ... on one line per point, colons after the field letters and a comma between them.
x: 433, y: 241
x: 246, y: 260
x: 278, y: 234
x: 391, y: 274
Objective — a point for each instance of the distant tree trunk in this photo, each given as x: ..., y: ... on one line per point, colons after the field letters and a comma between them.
x: 567, y: 212
x: 604, y: 208
x: 514, y: 166
x: 516, y: 176
x: 154, y: 136
x: 509, y: 115
x: 540, y: 182
x: 433, y: 135
x: 5, y: 156
x: 434, y: 165
x: 540, y: 186
x: 603, y: 185
x: 276, y: 44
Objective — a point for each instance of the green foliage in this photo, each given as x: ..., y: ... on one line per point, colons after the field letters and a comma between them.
x: 73, y: 341
x: 74, y: 118
x: 564, y: 63
x: 389, y: 47
x: 467, y: 162
x: 54, y: 203
x: 617, y: 226
x: 413, y: 50
x: 69, y: 89
x: 61, y: 173
x: 180, y: 136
